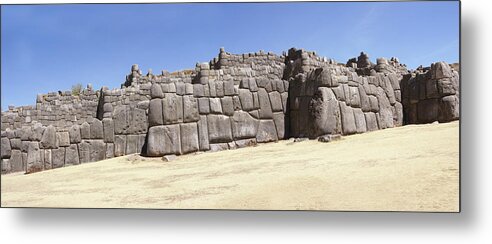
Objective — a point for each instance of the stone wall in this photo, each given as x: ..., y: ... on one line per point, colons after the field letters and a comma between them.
x: 431, y: 94
x: 61, y: 109
x: 230, y: 102
x: 329, y: 98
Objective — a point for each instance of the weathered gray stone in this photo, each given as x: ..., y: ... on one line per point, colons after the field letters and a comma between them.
x: 143, y: 104
x: 348, y: 119
x: 329, y: 138
x: 163, y: 140
x: 449, y: 109
x: 6, y: 166
x: 141, y: 143
x: 325, y: 78
x: 172, y: 108
x: 265, y: 105
x: 215, y: 147
x: 109, y: 150
x: 72, y: 155
x: 96, y: 129
x: 219, y: 86
x: 58, y: 157
x: 229, y: 88
x: 190, y: 109
x: 446, y: 87
x: 244, y: 125
x: 189, y: 137
x: 180, y: 88
x: 275, y: 101
x: 155, y: 112
x: 156, y: 91
x: 74, y: 133
x: 16, y: 164
x: 246, y: 98
x: 236, y: 103
x: 325, y: 112
x: 48, y: 140
x: 131, y: 144
x: 371, y: 122
x: 108, y: 126
x: 119, y: 145
x: 227, y: 106
x: 48, y: 159
x: 37, y: 132
x: 215, y: 106
x: 33, y: 162
x: 25, y: 133
x: 97, y: 150
x: 266, y: 131
x: 15, y: 143
x: 219, y: 128
x: 63, y: 138
x: 6, y: 149
x: 251, y: 142
x: 385, y: 110
x: 198, y: 90
x: 428, y: 110
x: 168, y: 158
x: 440, y: 70
x: 360, y: 120
x: 203, y: 133
x: 85, y: 131
x: 84, y: 151
x: 279, y: 120
x: 203, y: 105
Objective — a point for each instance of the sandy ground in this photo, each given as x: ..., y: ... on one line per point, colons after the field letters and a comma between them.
x: 410, y: 168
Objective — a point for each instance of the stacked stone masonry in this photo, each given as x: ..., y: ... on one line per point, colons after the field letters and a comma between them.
x: 233, y: 101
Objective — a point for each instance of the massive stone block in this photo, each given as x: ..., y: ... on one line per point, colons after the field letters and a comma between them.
x: 244, y: 125
x: 246, y: 98
x: 16, y: 164
x: 58, y: 157
x: 428, y: 110
x: 265, y: 105
x: 74, y: 133
x: 63, y: 138
x: 85, y: 130
x: 34, y: 163
x: 227, y: 106
x: 449, y: 109
x: 190, y: 109
x: 360, y: 120
x: 131, y: 144
x: 5, y: 148
x: 215, y: 105
x: 348, y: 119
x: 219, y: 128
x: 189, y: 137
x: 325, y: 112
x: 203, y: 105
x: 163, y: 140
x: 279, y: 120
x: 155, y: 112
x: 108, y: 126
x: 119, y: 145
x: 203, y: 133
x: 48, y: 140
x: 97, y: 150
x: 275, y: 101
x: 72, y: 155
x: 267, y: 131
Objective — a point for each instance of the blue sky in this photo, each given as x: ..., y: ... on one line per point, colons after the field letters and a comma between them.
x: 51, y: 47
